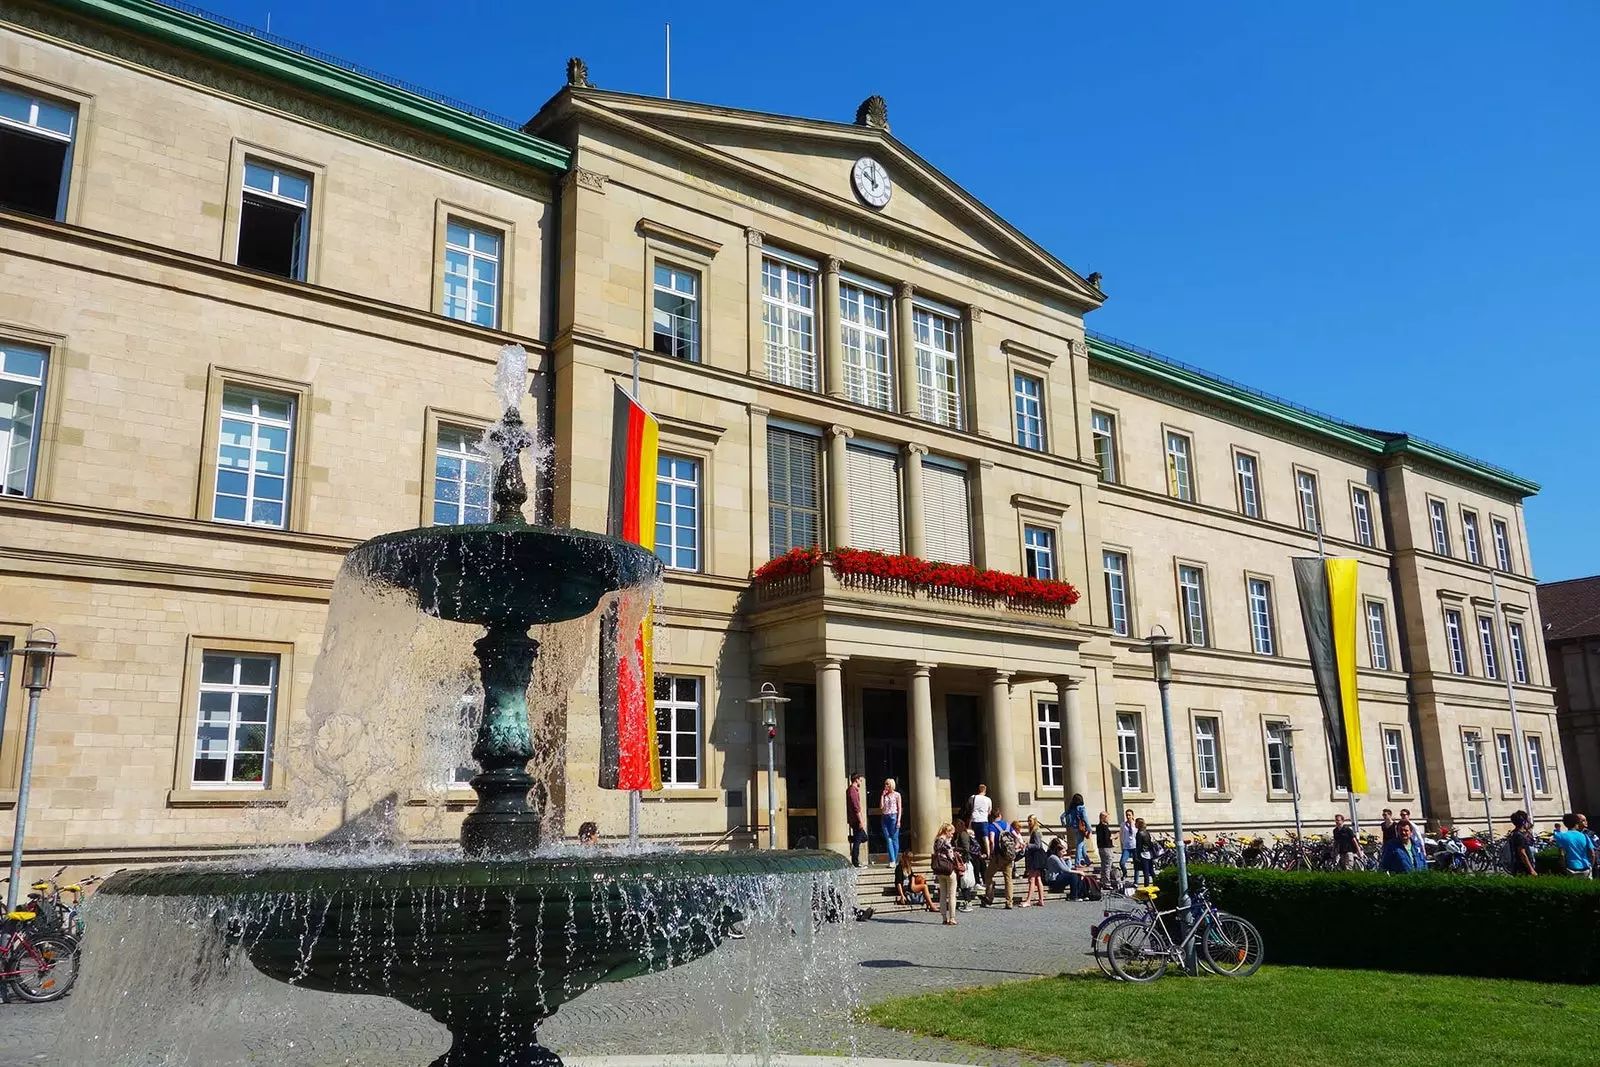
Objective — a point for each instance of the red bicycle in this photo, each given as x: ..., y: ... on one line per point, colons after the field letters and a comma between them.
x: 36, y: 967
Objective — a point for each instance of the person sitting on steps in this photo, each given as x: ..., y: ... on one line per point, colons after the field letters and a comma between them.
x: 909, y: 886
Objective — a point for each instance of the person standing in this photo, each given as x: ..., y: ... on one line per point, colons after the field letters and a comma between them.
x: 979, y: 805
x: 1404, y: 854
x: 1521, y: 842
x: 1345, y: 845
x: 1077, y: 821
x: 1128, y: 834
x: 1102, y: 845
x: 964, y: 842
x: 1577, y: 851
x: 889, y: 805
x: 944, y: 871
x: 999, y: 856
x: 1144, y: 846
x: 855, y: 807
x: 1033, y: 863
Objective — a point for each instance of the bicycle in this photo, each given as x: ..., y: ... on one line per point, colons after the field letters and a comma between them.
x: 1140, y: 950
x: 34, y: 966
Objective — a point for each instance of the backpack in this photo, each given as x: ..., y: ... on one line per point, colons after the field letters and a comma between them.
x: 1005, y: 845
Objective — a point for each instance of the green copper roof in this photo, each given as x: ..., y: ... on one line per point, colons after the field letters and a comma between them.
x: 1193, y: 380
x: 415, y: 108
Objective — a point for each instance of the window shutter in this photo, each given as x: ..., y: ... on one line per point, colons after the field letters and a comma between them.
x: 947, y: 513
x: 874, y: 499
x: 792, y: 493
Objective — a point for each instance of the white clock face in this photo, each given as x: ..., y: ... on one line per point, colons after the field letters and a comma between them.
x: 872, y: 181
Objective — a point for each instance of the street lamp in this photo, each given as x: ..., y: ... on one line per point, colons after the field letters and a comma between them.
x: 1294, y: 783
x: 1161, y: 647
x: 1473, y: 741
x: 769, y: 701
x: 39, y: 657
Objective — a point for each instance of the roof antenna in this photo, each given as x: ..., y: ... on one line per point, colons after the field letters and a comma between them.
x: 669, y: 61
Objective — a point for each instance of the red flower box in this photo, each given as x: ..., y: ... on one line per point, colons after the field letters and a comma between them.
x: 918, y: 572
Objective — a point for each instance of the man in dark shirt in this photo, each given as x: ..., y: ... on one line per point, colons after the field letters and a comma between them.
x: 1344, y: 843
x: 856, y: 812
x: 1522, y: 845
x: 1389, y: 827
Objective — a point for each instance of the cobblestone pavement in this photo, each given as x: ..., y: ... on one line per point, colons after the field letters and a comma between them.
x: 688, y: 1009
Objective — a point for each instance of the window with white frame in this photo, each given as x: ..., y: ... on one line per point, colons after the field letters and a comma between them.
x: 1027, y: 401
x: 1262, y: 637
x: 678, y: 512
x: 1440, y: 527
x: 1361, y: 509
x: 1130, y: 752
x: 1394, y: 759
x: 789, y: 313
x: 1104, y: 427
x: 1491, y: 647
x: 1455, y: 641
x: 1502, y: 545
x: 1207, y: 758
x: 947, y: 511
x: 676, y: 313
x: 937, y: 339
x: 1508, y: 763
x: 1278, y: 780
x: 1116, y: 568
x: 472, y: 273
x: 22, y: 373
x: 678, y: 730
x: 238, y: 695
x: 1469, y: 536
x: 1378, y: 635
x: 1244, y: 473
x: 253, y: 458
x: 1519, y: 652
x: 1180, y: 483
x: 1536, y: 762
x: 1305, y: 487
x: 1039, y: 552
x: 874, y: 483
x: 274, y: 220
x: 1474, y: 752
x: 1048, y: 721
x: 864, y: 333
x: 36, y: 135
x: 794, y: 489
x: 460, y: 478
x: 1192, y: 601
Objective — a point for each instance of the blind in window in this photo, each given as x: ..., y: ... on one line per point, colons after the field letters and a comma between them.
x: 947, y: 513
x: 793, y: 493
x: 874, y: 499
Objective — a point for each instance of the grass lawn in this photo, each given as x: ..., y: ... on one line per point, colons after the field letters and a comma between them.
x: 1280, y: 1017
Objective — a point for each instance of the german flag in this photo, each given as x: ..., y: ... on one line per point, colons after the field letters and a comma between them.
x: 628, y: 755
x: 1328, y: 608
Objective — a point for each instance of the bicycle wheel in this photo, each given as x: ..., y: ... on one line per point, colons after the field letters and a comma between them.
x: 1232, y: 946
x: 1138, y: 952
x: 44, y: 967
x: 1101, y: 941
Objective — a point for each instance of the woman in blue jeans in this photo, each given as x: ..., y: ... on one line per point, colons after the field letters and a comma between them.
x: 1077, y: 821
x: 889, y: 807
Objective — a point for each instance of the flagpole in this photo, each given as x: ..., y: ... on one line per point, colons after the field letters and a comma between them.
x: 1505, y: 665
x: 636, y: 797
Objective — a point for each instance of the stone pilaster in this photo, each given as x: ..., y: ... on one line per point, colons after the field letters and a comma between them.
x: 832, y: 824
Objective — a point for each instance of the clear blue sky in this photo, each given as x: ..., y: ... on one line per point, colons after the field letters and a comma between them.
x: 1387, y: 212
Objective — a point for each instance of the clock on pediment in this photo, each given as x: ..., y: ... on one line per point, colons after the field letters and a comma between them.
x: 871, y: 182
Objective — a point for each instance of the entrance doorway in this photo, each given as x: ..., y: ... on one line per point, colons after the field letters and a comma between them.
x: 800, y: 763
x: 964, y: 734
x: 887, y: 755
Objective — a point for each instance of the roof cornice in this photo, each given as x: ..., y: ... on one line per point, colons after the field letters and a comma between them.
x: 232, y: 48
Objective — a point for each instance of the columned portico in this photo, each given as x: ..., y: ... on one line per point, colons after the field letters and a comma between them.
x: 832, y: 825
x: 1075, y: 739
x: 925, y: 814
x: 1002, y: 754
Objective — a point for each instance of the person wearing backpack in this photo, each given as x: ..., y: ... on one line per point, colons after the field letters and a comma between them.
x: 1076, y: 819
x: 1000, y: 856
x: 945, y: 864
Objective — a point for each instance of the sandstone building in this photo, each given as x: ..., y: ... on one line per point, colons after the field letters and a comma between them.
x: 252, y: 305
x: 1571, y: 612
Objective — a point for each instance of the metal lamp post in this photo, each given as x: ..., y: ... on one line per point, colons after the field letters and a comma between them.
x: 1474, y: 742
x: 1161, y: 646
x: 1294, y: 783
x: 769, y: 701
x: 39, y: 656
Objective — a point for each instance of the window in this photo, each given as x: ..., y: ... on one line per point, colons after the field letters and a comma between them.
x: 788, y: 310
x: 1305, y: 487
x: 253, y: 455
x: 864, y: 331
x: 1361, y: 509
x: 1469, y: 536
x: 1027, y: 397
x: 21, y: 403
x: 1502, y: 545
x: 1130, y: 753
x: 677, y: 313
x: 874, y: 486
x: 794, y: 492
x: 947, y: 519
x: 472, y: 273
x: 1207, y: 765
x: 1536, y: 762
x: 237, y: 699
x: 1244, y: 472
x: 1179, y: 483
x: 1278, y: 758
x: 35, y: 153
x: 274, y: 220
x: 1378, y: 635
x: 1394, y: 759
x: 1048, y: 717
x: 1039, y: 552
x: 1192, y: 601
x: 938, y: 367
x: 678, y: 730
x: 1519, y: 652
x: 5, y: 673
x: 460, y: 479
x: 1261, y: 633
x: 1474, y: 763
x: 1441, y: 531
x: 1455, y: 642
x: 1508, y: 765
x: 678, y: 512
x: 1491, y: 647
x: 1105, y: 445
x: 1116, y: 566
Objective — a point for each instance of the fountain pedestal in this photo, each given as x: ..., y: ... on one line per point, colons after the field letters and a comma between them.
x: 504, y: 823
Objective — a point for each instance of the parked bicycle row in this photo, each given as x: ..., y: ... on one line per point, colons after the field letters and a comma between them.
x: 39, y: 940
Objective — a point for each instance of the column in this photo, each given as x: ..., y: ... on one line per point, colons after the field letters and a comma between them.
x: 755, y: 242
x: 832, y: 339
x: 832, y: 825
x: 914, y: 516
x: 906, y: 343
x: 1075, y: 776
x: 922, y: 795
x: 839, y: 485
x: 1002, y: 753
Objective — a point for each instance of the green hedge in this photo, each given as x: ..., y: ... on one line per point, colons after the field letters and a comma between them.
x: 1546, y: 929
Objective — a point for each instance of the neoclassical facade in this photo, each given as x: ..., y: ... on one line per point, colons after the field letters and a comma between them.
x: 253, y: 320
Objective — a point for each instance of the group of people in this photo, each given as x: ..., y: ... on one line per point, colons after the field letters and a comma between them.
x: 1404, y: 850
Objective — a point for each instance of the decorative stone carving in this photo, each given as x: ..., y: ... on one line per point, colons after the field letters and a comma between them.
x: 913, y: 449
x: 873, y: 113
x: 906, y: 291
x: 841, y: 431
x: 578, y: 73
x: 1094, y: 280
x: 586, y: 179
x: 755, y: 237
x: 975, y: 313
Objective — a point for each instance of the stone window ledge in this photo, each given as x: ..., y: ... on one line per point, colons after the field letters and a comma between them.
x: 226, y: 798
